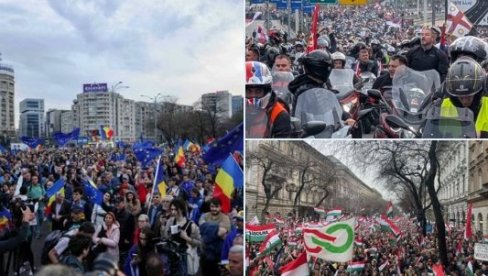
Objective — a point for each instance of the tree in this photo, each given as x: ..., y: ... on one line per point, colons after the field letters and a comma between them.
x: 409, y: 169
x: 267, y: 165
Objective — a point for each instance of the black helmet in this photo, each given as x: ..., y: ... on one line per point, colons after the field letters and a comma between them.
x: 470, y: 46
x: 465, y: 78
x: 317, y: 64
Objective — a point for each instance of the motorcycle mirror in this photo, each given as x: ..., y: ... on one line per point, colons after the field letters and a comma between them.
x: 396, y: 122
x: 375, y: 93
x: 313, y: 127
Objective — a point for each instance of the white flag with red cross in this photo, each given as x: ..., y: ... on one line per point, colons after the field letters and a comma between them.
x: 457, y: 23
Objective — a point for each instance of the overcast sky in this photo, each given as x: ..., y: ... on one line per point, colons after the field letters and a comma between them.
x: 331, y: 148
x: 180, y: 48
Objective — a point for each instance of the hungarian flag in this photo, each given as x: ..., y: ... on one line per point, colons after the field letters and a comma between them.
x: 389, y: 209
x: 229, y: 178
x: 333, y: 242
x: 358, y: 241
x: 271, y: 241
x: 320, y: 211
x: 355, y: 267
x: 297, y: 267
x: 257, y: 233
x: 388, y: 225
x: 180, y: 157
x: 312, y: 43
x: 457, y: 23
x: 468, y: 230
x: 334, y: 212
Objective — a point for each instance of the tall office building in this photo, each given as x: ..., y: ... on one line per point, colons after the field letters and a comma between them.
x: 7, y: 94
x: 237, y: 104
x: 219, y: 102
x: 54, y: 121
x: 31, y: 123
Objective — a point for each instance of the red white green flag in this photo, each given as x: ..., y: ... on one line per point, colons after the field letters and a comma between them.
x: 355, y: 266
x: 257, y: 233
x: 271, y: 241
x: 297, y: 267
x: 333, y: 242
x: 320, y: 211
x: 388, y: 225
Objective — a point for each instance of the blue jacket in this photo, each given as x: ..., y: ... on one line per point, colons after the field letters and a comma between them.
x: 212, y: 242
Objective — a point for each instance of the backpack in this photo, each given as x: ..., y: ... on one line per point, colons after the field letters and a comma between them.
x: 49, y: 243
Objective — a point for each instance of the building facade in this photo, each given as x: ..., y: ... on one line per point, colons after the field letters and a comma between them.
x: 31, y: 123
x: 453, y: 194
x: 237, y: 104
x: 478, y: 184
x: 67, y: 121
x: 219, y: 102
x: 328, y: 177
x: 54, y: 121
x: 7, y: 96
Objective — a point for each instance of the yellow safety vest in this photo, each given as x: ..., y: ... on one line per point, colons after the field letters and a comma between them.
x: 449, y: 110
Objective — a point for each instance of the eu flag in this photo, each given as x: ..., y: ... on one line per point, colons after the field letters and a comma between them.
x: 146, y: 155
x: 32, y: 142
x: 219, y: 150
x: 92, y: 192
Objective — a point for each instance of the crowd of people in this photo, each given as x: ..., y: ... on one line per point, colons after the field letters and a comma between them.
x: 379, y: 251
x: 371, y: 40
x: 108, y: 213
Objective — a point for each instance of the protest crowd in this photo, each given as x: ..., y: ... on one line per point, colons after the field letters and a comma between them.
x: 130, y: 209
x: 348, y: 50
x: 383, y: 245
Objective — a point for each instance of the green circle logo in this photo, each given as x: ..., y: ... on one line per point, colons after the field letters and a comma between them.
x: 337, y: 249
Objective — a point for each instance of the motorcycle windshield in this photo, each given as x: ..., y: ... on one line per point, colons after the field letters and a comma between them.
x: 411, y: 88
x: 318, y: 104
x: 280, y: 85
x: 367, y: 79
x: 449, y: 122
x: 256, y: 122
x: 342, y: 81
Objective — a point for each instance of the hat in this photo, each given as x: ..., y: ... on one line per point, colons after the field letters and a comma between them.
x: 436, y: 30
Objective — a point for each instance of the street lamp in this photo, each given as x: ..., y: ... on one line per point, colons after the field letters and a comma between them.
x: 155, y: 100
x: 117, y: 86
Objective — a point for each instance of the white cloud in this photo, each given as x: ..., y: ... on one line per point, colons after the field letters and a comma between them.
x: 184, y: 48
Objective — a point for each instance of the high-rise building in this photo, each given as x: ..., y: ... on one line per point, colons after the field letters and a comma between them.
x: 237, y: 104
x: 67, y: 121
x: 31, y: 123
x: 7, y: 94
x: 219, y: 102
x: 54, y: 121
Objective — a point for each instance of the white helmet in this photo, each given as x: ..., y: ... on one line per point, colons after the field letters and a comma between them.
x: 338, y: 56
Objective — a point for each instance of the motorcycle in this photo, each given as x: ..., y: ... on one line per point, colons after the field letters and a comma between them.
x: 318, y: 109
x: 410, y: 99
x: 367, y: 80
x: 441, y: 122
x: 341, y: 81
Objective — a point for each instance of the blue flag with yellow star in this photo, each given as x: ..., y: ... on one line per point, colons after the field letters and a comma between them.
x: 219, y: 150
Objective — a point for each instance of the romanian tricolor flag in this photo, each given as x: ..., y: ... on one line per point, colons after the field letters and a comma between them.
x: 159, y: 179
x: 106, y: 133
x: 58, y: 186
x: 180, y: 157
x: 229, y: 178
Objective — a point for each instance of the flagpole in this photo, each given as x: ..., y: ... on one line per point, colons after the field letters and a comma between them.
x: 445, y: 12
x: 154, y: 185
